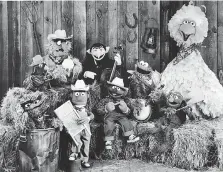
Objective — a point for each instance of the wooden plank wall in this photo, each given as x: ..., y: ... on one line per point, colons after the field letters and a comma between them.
x: 22, y: 37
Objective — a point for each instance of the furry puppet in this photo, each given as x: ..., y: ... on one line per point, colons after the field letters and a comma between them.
x: 63, y: 67
x: 143, y: 80
x: 114, y: 109
x: 173, y: 114
x: 24, y: 109
x: 187, y: 73
x: 39, y: 78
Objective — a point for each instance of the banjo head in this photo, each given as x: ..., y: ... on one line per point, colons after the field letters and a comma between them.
x: 145, y: 112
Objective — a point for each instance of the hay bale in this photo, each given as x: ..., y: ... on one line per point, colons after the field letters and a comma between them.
x: 95, y: 95
x: 121, y: 150
x: 191, y: 146
x: 198, y: 144
x: 8, y: 141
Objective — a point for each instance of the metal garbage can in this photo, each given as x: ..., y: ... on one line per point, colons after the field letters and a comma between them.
x: 39, y: 152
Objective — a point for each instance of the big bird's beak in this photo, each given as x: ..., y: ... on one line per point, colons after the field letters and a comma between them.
x: 186, y: 31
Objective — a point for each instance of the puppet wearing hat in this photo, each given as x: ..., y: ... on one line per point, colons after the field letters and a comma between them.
x: 39, y: 78
x: 79, y: 100
x: 115, y: 110
x: 62, y: 65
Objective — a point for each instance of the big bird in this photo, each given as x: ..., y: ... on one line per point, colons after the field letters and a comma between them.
x: 187, y: 73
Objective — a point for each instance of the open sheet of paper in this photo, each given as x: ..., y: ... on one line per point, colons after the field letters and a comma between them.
x: 68, y: 115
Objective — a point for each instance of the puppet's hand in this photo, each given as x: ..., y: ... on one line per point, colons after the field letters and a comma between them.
x: 118, y: 59
x: 110, y: 106
x: 84, y: 120
x: 170, y: 111
x: 89, y: 74
x: 155, y: 95
x: 123, y: 107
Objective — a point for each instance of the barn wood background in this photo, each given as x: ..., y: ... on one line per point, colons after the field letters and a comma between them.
x: 24, y: 27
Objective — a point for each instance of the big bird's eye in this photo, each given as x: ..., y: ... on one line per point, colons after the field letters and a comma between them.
x: 193, y: 24
x: 118, y: 88
x: 76, y: 94
x: 146, y: 64
x: 82, y: 94
x: 185, y: 22
x: 113, y: 87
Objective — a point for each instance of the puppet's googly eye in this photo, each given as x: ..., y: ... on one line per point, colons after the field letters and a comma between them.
x: 58, y: 42
x: 118, y: 88
x: 36, y: 101
x: 141, y: 63
x: 82, y: 94
x: 193, y: 24
x: 113, y: 87
x: 76, y: 94
x: 146, y: 64
x: 27, y: 105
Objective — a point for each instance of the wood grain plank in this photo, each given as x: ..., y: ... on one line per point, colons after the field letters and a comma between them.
x: 1, y: 51
x: 112, y: 25
x: 26, y: 40
x: 57, y: 15
x: 150, y: 9
x: 67, y: 17
x: 164, y: 34
x: 18, y: 81
x: 48, y: 20
x: 209, y: 46
x: 79, y: 29
x: 102, y: 22
x: 12, y: 26
x: 91, y: 23
x: 131, y: 48
x: 5, y: 68
x: 220, y: 36
x: 38, y: 46
x: 122, y: 7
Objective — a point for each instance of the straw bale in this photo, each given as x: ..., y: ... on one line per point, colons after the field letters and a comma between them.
x: 8, y: 141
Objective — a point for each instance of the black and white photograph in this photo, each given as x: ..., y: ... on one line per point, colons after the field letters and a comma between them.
x: 111, y: 86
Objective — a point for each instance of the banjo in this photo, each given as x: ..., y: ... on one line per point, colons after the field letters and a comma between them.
x: 142, y: 114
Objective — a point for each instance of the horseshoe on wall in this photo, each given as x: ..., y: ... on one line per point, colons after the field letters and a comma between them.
x: 128, y: 24
x: 128, y: 37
